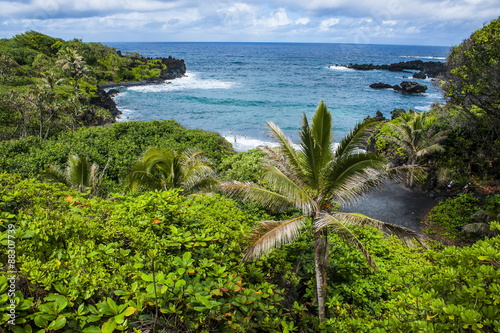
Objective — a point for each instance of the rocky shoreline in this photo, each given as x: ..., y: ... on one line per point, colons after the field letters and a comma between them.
x: 405, y: 87
x: 431, y: 69
x: 175, y: 68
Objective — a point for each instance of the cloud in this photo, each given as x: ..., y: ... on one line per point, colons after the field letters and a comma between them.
x: 441, y: 22
x: 328, y: 23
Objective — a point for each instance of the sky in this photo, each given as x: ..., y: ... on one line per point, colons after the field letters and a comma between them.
x: 405, y: 22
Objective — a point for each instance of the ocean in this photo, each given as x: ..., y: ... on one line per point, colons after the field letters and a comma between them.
x: 235, y: 88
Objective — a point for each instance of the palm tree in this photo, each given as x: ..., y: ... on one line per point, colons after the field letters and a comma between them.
x: 79, y: 174
x: 164, y: 168
x: 73, y: 63
x: 417, y: 135
x: 312, y: 180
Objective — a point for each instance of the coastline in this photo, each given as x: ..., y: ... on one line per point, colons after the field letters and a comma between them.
x: 175, y: 68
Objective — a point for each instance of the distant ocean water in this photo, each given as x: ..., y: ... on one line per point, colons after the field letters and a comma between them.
x: 234, y: 88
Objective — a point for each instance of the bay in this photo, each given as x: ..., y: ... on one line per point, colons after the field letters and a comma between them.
x: 234, y: 88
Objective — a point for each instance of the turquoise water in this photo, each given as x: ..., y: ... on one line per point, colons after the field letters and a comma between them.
x: 234, y: 88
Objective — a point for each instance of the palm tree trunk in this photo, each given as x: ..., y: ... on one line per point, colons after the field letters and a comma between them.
x: 320, y: 262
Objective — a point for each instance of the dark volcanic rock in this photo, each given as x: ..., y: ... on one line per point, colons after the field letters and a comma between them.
x: 408, y: 87
x: 429, y: 68
x: 396, y: 113
x: 381, y: 85
x: 405, y: 87
x: 105, y: 100
x: 420, y: 75
x: 176, y: 68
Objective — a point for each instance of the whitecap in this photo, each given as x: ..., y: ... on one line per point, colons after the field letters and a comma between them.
x: 243, y: 143
x: 190, y: 81
x: 340, y: 68
x: 425, y: 57
x: 125, y: 114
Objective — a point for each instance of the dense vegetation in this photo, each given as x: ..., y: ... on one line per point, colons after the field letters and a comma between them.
x: 104, y: 230
x: 47, y: 85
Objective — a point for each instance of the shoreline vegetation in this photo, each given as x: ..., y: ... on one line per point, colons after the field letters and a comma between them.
x: 142, y: 226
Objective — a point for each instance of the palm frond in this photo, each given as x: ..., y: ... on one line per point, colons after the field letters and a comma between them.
x: 321, y: 130
x: 257, y: 194
x: 140, y: 177
x: 285, y: 147
x: 356, y: 138
x: 350, y: 176
x: 294, y: 190
x: 345, y: 233
x: 78, y: 170
x: 269, y: 235
x: 275, y: 159
x: 405, y: 234
x: 57, y: 174
x: 310, y: 155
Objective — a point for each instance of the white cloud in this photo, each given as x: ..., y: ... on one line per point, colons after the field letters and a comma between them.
x: 390, y: 22
x: 327, y: 24
x: 276, y: 19
x: 302, y: 20
x: 379, y: 21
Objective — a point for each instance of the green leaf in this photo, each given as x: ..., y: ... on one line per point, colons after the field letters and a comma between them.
x: 91, y: 329
x: 129, y: 311
x: 57, y: 324
x: 109, y: 326
x: 112, y: 305
x: 147, y: 277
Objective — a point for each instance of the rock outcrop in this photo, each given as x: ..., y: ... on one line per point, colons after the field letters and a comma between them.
x: 105, y: 100
x: 175, y: 68
x: 406, y: 87
x: 381, y: 85
x: 428, y: 68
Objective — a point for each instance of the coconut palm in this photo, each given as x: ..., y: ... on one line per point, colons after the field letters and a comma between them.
x: 73, y: 64
x: 417, y: 135
x: 313, y: 179
x: 164, y: 168
x: 79, y: 174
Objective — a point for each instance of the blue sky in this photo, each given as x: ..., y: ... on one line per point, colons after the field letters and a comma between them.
x: 416, y: 22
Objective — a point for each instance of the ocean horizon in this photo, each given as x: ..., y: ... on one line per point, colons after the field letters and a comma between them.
x: 235, y: 88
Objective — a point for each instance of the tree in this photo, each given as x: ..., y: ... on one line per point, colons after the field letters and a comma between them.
x: 313, y: 180
x: 417, y: 135
x: 163, y: 168
x: 8, y: 67
x: 473, y: 80
x: 79, y: 174
x: 74, y: 64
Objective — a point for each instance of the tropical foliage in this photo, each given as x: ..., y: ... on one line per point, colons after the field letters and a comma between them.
x: 417, y: 136
x: 163, y: 168
x: 79, y: 174
x: 312, y: 181
x: 159, y: 261
x: 121, y: 143
x: 48, y: 85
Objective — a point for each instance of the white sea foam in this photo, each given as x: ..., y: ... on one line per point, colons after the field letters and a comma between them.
x: 425, y: 57
x: 340, y: 68
x: 243, y: 143
x: 190, y: 81
x: 125, y: 114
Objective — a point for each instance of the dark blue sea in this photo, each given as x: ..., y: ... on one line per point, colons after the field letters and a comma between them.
x: 234, y: 88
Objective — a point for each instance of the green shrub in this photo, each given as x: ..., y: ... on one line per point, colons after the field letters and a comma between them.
x: 90, y: 264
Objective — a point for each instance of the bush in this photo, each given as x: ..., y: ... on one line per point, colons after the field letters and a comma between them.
x: 94, y: 264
